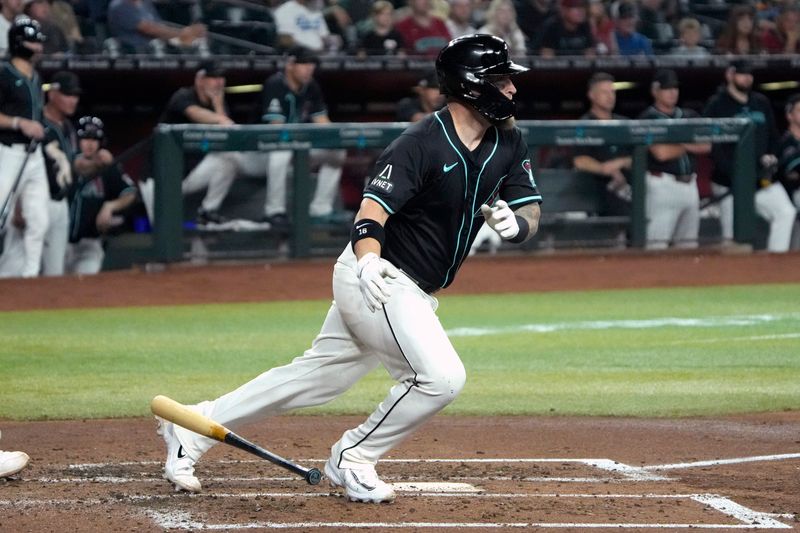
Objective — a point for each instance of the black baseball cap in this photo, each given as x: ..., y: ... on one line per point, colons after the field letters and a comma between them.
x: 666, y: 79
x: 211, y: 69
x: 741, y: 66
x: 626, y: 10
x: 301, y: 54
x: 66, y: 83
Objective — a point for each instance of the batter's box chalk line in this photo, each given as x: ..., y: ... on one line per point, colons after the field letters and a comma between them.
x: 747, y: 518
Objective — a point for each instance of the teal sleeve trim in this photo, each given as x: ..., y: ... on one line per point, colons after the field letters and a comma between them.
x: 526, y: 200
x: 270, y: 117
x: 377, y: 199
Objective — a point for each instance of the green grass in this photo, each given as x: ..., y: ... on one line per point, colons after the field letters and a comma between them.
x: 110, y: 362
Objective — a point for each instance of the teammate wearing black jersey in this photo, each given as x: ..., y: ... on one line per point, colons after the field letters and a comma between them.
x: 60, y: 146
x: 432, y: 189
x: 20, y: 123
x: 789, y: 151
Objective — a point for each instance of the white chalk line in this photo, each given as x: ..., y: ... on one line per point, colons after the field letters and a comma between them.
x: 749, y: 519
x: 750, y: 338
x: 588, y: 325
x: 717, y: 462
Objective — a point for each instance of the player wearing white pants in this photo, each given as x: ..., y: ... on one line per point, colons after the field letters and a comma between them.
x: 53, y: 249
x: 672, y: 208
x: 327, y: 190
x: 85, y: 256
x: 33, y: 195
x: 216, y: 173
x: 383, y: 311
x: 772, y: 204
x: 352, y: 342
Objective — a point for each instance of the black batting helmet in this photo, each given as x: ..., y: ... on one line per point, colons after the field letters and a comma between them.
x: 466, y: 67
x: 90, y: 127
x: 24, y: 30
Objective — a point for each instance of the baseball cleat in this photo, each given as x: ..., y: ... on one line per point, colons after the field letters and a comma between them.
x: 12, y: 462
x: 179, y: 467
x: 360, y: 484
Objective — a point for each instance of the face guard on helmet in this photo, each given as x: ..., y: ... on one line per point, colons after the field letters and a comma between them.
x: 91, y: 128
x: 467, y: 68
x: 24, y: 30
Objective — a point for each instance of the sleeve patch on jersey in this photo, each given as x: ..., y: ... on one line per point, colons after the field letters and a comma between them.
x: 526, y: 166
x: 384, y: 185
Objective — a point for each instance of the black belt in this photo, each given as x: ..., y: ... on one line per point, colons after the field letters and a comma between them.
x: 683, y: 178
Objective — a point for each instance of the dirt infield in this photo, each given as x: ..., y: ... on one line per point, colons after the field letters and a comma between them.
x: 500, y: 473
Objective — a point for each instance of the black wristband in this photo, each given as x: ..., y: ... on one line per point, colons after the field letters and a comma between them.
x: 366, y: 228
x: 524, y: 228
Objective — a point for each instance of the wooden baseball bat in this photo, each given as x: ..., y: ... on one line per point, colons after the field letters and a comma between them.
x: 181, y: 415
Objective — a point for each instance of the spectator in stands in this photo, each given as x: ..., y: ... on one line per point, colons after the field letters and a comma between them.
x: 459, y: 22
x: 100, y: 195
x: 531, y: 15
x: 739, y: 36
x: 501, y: 21
x: 653, y: 23
x: 789, y: 151
x: 784, y: 38
x: 689, y: 35
x: 608, y: 164
x: 382, y: 38
x: 136, y: 22
x: 427, y: 99
x: 423, y: 33
x: 64, y: 17
x: 568, y: 32
x: 629, y: 41
x: 602, y: 28
x: 301, y: 23
x: 9, y: 9
x: 672, y: 199
x: 56, y: 42
x: 736, y: 98
x: 294, y: 97
x: 204, y: 103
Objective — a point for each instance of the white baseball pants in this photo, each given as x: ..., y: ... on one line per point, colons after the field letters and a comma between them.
x: 327, y: 191
x: 772, y: 204
x: 672, y: 208
x: 34, y: 195
x: 406, y: 337
x: 55, y: 242
x: 85, y: 256
x: 215, y: 173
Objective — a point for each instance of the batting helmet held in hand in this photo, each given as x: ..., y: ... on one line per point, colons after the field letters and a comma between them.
x: 90, y: 127
x: 466, y: 68
x: 24, y: 30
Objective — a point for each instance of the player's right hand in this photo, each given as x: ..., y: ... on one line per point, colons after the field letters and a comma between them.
x: 31, y: 129
x: 371, y: 273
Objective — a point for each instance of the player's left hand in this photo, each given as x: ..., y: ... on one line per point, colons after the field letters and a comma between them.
x: 501, y: 218
x: 64, y: 169
x: 106, y: 219
x: 371, y: 273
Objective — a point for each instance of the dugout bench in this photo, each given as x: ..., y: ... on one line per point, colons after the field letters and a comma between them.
x: 563, y: 189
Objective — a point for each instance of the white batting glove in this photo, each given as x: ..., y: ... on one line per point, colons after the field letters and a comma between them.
x: 371, y: 273
x: 64, y: 169
x: 501, y: 219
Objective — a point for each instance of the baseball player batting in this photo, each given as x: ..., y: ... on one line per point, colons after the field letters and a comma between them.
x: 431, y: 191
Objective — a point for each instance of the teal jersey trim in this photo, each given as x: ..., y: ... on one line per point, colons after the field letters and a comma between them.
x: 793, y: 164
x: 537, y: 198
x: 292, y: 118
x: 383, y: 204
x: 466, y: 185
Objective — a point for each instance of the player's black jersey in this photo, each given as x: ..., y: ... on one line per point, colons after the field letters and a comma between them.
x: 433, y: 187
x: 280, y: 104
x: 64, y: 134
x: 680, y: 166
x: 19, y: 97
x: 87, y: 196
x: 789, y: 162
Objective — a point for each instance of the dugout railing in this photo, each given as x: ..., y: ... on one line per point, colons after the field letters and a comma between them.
x: 172, y: 141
